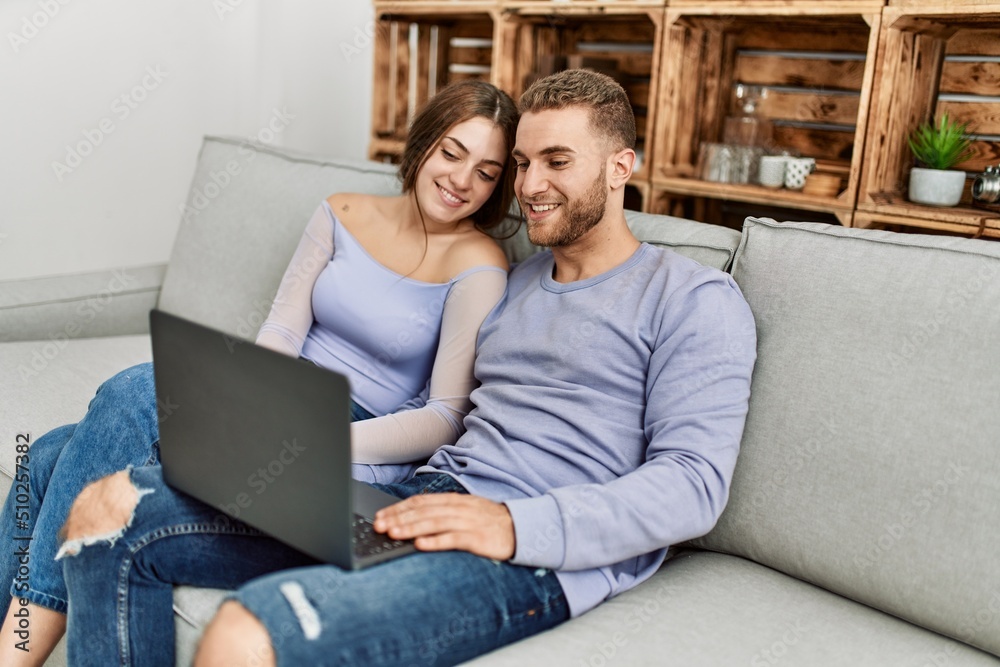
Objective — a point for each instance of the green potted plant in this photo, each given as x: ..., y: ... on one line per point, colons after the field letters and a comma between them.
x: 939, y: 149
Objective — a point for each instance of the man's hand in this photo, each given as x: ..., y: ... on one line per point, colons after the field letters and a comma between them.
x: 444, y: 521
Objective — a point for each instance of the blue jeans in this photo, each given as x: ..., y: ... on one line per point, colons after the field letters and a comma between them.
x: 119, y: 430
x: 431, y: 608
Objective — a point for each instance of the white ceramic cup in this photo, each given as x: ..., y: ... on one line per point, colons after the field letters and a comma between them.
x: 796, y: 171
x: 771, y: 172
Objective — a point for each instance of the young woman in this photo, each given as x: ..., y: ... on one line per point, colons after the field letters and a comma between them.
x: 389, y: 291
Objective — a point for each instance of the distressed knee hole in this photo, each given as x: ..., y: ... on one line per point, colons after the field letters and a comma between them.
x: 101, y: 513
x: 303, y: 609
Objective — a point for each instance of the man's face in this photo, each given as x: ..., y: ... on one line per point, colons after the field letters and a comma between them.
x: 561, y: 179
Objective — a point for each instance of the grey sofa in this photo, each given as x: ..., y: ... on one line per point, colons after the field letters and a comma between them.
x: 862, y: 527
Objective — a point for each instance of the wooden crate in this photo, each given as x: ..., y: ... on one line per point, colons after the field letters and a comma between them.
x: 668, y: 195
x: 419, y: 48
x: 780, y: 7
x: 732, y: 211
x: 932, y: 60
x: 975, y: 223
x: 816, y: 61
x: 438, y: 6
x: 628, y: 33
x: 444, y: 6
x: 580, y: 6
x: 968, y: 4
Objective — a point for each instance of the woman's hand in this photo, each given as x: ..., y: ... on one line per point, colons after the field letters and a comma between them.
x: 446, y: 521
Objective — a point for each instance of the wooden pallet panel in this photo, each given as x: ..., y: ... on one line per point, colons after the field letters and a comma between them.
x: 810, y: 107
x: 709, y: 205
x: 772, y: 70
x: 436, y: 7
x: 975, y: 222
x: 780, y: 8
x: 973, y: 41
x: 559, y: 8
x: 981, y: 117
x: 837, y: 146
x: 917, y: 5
x: 825, y: 37
x: 970, y: 78
x: 972, y: 70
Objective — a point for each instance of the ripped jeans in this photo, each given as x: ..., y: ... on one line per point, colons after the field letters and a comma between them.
x: 432, y: 608
x: 119, y: 430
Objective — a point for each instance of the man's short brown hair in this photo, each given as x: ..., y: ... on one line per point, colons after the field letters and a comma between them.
x: 611, y: 114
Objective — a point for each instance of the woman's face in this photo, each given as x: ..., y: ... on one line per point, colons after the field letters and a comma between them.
x: 461, y: 171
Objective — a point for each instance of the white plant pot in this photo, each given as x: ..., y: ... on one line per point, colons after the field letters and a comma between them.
x: 936, y: 187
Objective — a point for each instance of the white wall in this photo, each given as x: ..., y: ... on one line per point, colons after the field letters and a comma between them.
x: 134, y: 85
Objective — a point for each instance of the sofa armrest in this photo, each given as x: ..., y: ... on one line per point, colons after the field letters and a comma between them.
x: 86, y: 305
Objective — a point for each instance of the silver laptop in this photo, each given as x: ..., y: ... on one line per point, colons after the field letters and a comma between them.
x: 264, y: 438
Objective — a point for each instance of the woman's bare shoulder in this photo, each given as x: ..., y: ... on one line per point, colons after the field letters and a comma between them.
x: 477, y: 249
x: 343, y: 204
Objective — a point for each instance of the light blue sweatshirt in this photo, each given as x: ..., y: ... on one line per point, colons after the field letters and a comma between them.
x: 609, y: 415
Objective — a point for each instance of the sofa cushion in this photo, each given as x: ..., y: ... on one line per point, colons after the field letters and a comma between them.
x: 50, y: 383
x: 710, y: 245
x: 704, y: 610
x: 82, y: 305
x: 245, y: 213
x: 700, y: 609
x: 194, y: 608
x: 870, y: 464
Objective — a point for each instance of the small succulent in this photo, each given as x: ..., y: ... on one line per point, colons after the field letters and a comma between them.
x: 941, y: 147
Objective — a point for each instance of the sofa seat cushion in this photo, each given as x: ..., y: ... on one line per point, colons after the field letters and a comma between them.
x: 706, y: 609
x: 194, y: 608
x: 870, y: 463
x: 50, y: 383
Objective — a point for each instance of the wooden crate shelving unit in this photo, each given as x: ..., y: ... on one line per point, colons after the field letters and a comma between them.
x: 933, y: 59
x: 420, y: 47
x: 816, y: 61
x: 847, y: 80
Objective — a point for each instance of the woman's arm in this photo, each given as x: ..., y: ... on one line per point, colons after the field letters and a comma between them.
x: 291, y: 313
x: 413, y: 435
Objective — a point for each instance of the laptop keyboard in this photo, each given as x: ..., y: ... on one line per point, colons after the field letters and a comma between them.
x: 369, y: 543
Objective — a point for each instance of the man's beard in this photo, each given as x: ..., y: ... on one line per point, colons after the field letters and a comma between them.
x: 578, y: 218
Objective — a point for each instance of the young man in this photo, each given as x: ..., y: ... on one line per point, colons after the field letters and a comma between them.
x: 615, y: 380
